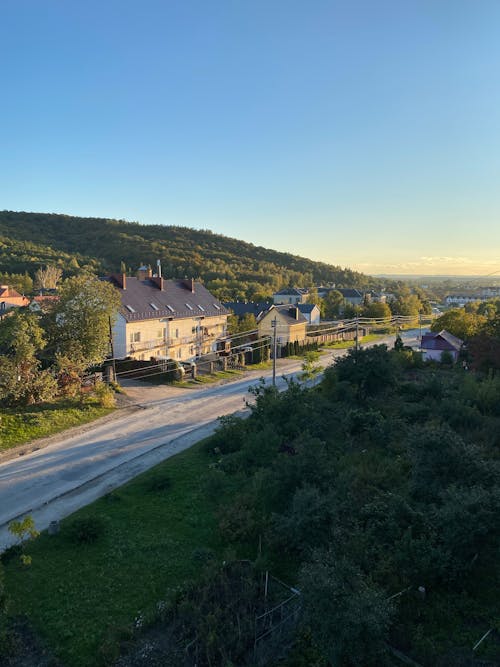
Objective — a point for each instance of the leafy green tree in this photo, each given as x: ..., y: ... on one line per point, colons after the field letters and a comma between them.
x: 348, y: 616
x: 370, y: 370
x: 24, y: 530
x: 81, y: 319
x: 376, y: 310
x: 407, y: 305
x: 439, y: 458
x: 22, y: 381
x: 460, y: 323
x: 333, y: 304
x: 310, y: 366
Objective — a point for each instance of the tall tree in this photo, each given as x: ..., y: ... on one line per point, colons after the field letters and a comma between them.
x: 48, y: 277
x: 81, y: 319
x: 333, y: 304
x: 459, y: 323
x: 21, y: 378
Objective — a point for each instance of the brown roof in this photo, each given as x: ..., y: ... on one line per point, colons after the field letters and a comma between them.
x: 10, y: 295
x: 176, y: 299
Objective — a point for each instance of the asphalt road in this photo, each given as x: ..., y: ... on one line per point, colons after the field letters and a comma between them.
x: 74, y: 470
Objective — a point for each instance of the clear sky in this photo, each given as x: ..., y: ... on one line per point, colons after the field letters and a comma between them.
x: 359, y: 132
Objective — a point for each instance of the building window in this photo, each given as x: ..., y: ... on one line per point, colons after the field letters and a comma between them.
x: 179, y: 354
x: 177, y: 333
x: 159, y: 333
x: 135, y: 336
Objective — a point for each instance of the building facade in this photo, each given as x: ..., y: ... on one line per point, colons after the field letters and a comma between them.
x: 158, y: 319
x: 290, y: 324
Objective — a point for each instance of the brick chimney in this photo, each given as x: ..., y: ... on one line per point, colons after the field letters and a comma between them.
x: 189, y: 283
x: 294, y: 312
x: 158, y: 281
x: 120, y: 279
x: 144, y: 272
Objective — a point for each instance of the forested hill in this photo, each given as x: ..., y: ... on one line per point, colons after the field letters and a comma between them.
x: 231, y: 268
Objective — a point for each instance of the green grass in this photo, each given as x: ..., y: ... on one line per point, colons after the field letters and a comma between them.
x: 262, y: 366
x: 78, y: 596
x: 215, y: 377
x: 21, y: 425
x: 346, y: 344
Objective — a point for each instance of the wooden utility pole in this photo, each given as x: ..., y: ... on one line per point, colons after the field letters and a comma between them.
x: 274, y: 324
x: 112, y: 349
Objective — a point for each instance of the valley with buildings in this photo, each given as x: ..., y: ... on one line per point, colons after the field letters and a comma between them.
x: 170, y: 443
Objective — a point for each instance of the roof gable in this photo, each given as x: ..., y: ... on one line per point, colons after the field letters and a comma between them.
x: 286, y: 313
x: 441, y: 340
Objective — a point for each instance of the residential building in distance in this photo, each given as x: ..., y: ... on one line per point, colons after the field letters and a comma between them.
x: 241, y: 308
x: 158, y: 318
x: 351, y: 295
x: 434, y: 344
x: 375, y: 297
x: 462, y: 299
x: 291, y: 324
x: 311, y: 312
x: 10, y: 298
x: 290, y: 295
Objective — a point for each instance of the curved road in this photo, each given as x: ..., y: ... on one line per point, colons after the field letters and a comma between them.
x: 76, y: 469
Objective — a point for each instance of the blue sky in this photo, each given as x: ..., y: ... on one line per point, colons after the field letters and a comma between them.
x: 362, y: 133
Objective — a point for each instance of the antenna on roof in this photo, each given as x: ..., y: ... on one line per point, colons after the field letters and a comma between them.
x: 158, y: 264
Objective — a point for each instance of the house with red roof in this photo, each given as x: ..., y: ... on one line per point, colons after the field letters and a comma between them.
x: 10, y: 298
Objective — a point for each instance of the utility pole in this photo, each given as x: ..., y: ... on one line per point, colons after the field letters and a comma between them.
x: 274, y: 325
x: 357, y: 334
x: 112, y: 349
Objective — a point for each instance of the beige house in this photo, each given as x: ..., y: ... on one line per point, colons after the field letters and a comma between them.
x: 158, y: 318
x: 10, y: 298
x: 290, y: 324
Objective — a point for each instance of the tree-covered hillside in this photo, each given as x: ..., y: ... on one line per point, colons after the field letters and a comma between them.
x: 231, y: 268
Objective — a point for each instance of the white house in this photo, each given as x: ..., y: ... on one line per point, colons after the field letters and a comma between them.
x: 311, y: 312
x: 434, y: 344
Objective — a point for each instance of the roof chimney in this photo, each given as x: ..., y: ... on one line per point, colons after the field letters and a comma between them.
x: 158, y: 264
x: 144, y: 272
x: 189, y: 283
x: 120, y: 279
x: 158, y: 281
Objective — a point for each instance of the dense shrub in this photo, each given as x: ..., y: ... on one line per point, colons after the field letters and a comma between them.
x: 85, y: 530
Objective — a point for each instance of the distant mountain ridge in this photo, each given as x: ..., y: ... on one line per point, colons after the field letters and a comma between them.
x: 230, y: 268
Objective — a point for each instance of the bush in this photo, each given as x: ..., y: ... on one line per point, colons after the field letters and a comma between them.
x: 11, y: 553
x: 86, y: 530
x: 104, y: 396
x: 158, y: 482
x: 203, y: 554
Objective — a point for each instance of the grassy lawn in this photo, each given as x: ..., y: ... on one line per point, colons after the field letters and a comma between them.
x: 78, y: 596
x: 21, y: 425
x: 215, y: 377
x: 262, y: 366
x: 346, y: 344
